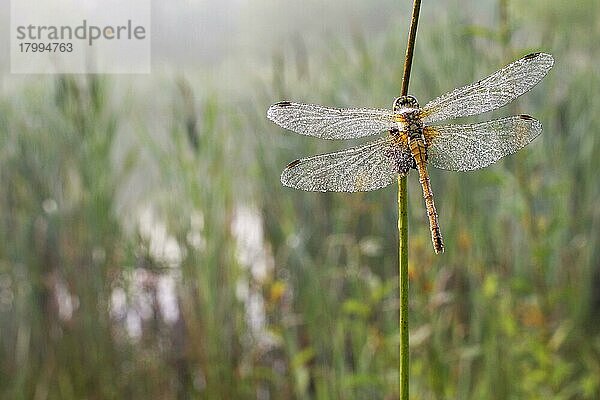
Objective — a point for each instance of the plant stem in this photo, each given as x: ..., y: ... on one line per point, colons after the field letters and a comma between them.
x: 403, y: 223
x: 412, y: 35
x: 403, y: 284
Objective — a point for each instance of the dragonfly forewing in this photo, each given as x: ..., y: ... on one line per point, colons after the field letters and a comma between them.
x: 330, y: 123
x: 358, y: 169
x: 474, y: 146
x: 492, y: 92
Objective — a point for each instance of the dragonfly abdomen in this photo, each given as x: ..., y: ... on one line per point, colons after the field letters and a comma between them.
x: 419, y: 152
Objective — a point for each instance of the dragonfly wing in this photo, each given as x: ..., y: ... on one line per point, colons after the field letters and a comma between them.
x: 330, y: 123
x: 358, y: 169
x: 474, y: 146
x: 492, y: 92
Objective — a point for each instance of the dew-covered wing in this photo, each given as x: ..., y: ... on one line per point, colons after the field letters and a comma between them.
x: 474, y: 146
x: 330, y: 123
x: 492, y: 92
x: 358, y: 169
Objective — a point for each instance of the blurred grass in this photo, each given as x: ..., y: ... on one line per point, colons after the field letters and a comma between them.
x: 283, y: 294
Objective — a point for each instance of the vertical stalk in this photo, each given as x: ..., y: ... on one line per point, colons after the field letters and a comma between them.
x: 403, y: 223
x: 403, y: 284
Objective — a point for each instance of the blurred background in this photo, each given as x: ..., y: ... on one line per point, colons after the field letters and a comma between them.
x: 149, y: 251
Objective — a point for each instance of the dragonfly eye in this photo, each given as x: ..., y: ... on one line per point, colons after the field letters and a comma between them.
x: 405, y: 102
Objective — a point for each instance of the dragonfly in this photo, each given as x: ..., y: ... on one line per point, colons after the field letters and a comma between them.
x: 412, y: 140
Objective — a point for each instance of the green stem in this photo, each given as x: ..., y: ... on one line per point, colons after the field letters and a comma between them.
x: 403, y: 283
x: 403, y: 223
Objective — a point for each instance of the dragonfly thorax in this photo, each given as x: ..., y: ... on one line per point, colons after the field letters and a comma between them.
x: 408, y: 116
x: 412, y: 123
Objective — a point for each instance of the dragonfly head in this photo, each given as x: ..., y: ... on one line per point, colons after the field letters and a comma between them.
x: 405, y: 102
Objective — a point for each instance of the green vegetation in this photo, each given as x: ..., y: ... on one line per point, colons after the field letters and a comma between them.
x: 283, y: 294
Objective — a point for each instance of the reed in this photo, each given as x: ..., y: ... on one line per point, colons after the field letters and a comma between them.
x: 403, y: 225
